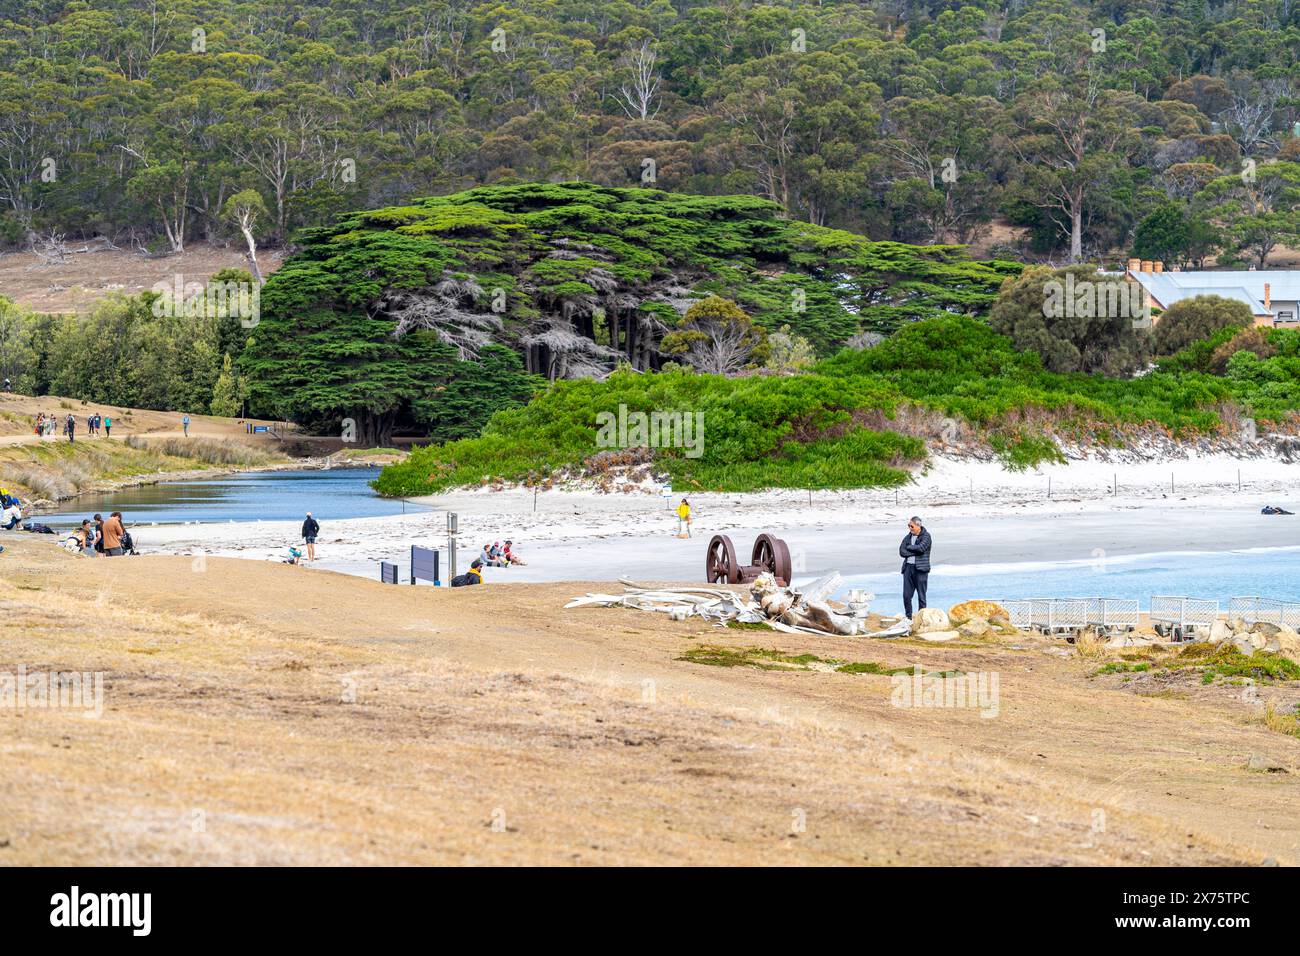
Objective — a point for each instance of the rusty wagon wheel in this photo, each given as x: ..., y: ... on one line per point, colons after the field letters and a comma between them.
x: 772, y: 554
x: 720, y: 563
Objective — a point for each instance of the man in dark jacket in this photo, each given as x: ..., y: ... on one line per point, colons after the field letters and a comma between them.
x: 915, y: 552
x: 309, y: 531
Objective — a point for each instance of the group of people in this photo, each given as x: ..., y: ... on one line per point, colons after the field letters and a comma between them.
x: 47, y: 425
x: 494, y: 555
x: 94, y: 537
x: 101, y: 537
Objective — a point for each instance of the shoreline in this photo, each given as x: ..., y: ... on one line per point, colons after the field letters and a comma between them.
x: 1003, y: 521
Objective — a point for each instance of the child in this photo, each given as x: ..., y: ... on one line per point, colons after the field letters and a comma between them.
x: 684, y: 519
x: 295, y: 556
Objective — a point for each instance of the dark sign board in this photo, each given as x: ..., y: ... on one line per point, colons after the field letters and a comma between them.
x: 424, y: 564
x: 387, y: 572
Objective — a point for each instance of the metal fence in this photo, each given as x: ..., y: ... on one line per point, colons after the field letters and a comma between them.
x: 1018, y: 611
x: 1253, y: 608
x: 1057, y: 614
x: 1183, y: 612
x: 1111, y: 612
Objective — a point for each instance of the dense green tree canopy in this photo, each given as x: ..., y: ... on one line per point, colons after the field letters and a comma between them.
x: 575, y: 278
x: 907, y: 121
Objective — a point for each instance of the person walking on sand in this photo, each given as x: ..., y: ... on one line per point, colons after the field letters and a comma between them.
x: 185, y: 425
x: 915, y: 552
x: 310, y: 528
x: 684, y: 519
x: 108, y: 427
x: 70, y: 426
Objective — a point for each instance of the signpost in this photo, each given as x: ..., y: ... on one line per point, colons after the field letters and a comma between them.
x: 452, y: 525
x: 424, y: 565
x: 387, y: 572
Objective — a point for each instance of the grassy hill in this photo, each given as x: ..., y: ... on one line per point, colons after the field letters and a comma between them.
x: 859, y: 418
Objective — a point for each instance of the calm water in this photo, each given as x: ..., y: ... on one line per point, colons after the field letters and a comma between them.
x: 256, y: 495
x: 1267, y: 572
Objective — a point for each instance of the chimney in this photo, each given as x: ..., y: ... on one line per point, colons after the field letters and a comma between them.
x: 1160, y: 266
x: 1134, y: 265
x: 1268, y: 301
x: 1146, y: 265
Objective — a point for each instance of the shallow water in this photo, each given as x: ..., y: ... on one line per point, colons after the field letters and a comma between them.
x: 253, y: 496
x: 1266, y: 572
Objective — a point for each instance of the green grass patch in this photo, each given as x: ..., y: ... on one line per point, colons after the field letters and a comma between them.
x: 1120, y: 667
x: 1227, y: 662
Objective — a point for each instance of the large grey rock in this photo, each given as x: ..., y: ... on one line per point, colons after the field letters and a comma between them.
x: 930, y: 619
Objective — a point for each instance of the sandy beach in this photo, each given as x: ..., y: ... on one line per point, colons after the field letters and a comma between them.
x: 980, y: 513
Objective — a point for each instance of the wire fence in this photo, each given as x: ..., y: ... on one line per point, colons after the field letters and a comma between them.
x: 1253, y: 609
x: 1112, y: 612
x: 1182, y: 612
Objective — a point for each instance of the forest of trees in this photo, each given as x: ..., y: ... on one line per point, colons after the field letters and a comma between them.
x: 1162, y: 128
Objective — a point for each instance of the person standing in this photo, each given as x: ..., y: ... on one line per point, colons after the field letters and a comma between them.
x: 310, y: 528
x: 915, y: 552
x: 108, y: 427
x: 70, y: 426
x: 684, y: 519
x: 185, y: 425
x: 111, y: 535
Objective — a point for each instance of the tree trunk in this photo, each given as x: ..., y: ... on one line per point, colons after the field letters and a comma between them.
x: 374, y: 429
x: 1076, y: 233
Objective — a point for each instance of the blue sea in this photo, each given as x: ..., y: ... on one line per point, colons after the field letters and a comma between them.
x: 1219, y: 575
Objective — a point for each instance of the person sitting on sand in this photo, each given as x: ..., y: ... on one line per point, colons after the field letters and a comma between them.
x: 86, y: 535
x: 473, y: 576
x: 1271, y: 510
x: 12, y: 519
x: 486, y: 558
x: 510, y: 556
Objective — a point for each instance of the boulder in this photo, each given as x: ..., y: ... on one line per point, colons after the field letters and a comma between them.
x: 1238, y: 626
x: 967, y: 610
x: 1132, y: 639
x: 939, y: 635
x: 1269, y: 629
x: 1288, y: 644
x: 1242, y: 643
x: 974, y: 627
x: 1220, y: 631
x: 930, y: 619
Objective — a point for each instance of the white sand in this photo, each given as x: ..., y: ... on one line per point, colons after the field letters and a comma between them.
x: 979, y: 513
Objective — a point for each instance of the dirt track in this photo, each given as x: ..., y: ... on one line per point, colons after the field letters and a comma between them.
x: 259, y: 713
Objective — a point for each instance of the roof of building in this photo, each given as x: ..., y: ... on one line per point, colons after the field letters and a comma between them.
x: 1244, y: 286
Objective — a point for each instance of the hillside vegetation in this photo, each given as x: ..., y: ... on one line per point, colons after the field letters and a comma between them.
x: 857, y: 419
x: 375, y: 317
x: 913, y: 121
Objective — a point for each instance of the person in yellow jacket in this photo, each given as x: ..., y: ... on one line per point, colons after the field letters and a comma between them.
x: 684, y: 519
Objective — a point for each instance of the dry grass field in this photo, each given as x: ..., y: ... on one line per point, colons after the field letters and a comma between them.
x: 266, y: 714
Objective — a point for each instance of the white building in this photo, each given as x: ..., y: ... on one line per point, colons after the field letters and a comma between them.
x: 1272, y: 294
